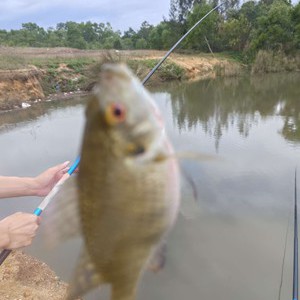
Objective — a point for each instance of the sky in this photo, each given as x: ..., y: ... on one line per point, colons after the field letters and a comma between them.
x: 46, y: 13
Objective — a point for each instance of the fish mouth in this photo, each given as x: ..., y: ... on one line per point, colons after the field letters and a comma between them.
x: 151, y: 152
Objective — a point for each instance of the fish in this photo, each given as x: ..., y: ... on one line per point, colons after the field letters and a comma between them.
x: 127, y: 192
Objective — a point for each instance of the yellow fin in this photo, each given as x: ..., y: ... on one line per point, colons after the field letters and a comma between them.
x: 85, y: 277
x: 61, y: 218
x: 158, y: 259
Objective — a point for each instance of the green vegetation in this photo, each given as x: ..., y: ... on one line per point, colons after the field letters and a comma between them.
x: 11, y: 62
x: 270, y: 62
x: 268, y: 25
x: 167, y: 71
x: 62, y: 74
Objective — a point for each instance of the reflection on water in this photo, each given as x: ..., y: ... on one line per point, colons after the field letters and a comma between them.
x: 11, y: 119
x: 228, y: 243
x: 235, y: 102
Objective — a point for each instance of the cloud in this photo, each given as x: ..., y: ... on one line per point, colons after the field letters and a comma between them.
x: 121, y: 14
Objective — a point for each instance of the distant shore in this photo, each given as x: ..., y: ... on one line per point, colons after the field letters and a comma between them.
x: 30, y: 75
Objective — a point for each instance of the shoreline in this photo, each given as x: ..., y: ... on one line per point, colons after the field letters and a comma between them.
x: 49, y: 98
x: 25, y: 277
x: 71, y: 72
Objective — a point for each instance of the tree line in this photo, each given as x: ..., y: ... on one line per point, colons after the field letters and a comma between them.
x: 234, y: 27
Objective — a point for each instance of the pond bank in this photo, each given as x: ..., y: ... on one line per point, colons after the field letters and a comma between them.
x: 37, y: 74
x: 23, y: 277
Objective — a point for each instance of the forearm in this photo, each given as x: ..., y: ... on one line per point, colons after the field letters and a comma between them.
x: 17, y: 186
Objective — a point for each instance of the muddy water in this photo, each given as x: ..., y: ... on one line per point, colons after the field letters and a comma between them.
x: 228, y: 243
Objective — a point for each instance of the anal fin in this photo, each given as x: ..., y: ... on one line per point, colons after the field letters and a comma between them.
x: 85, y: 277
x: 158, y: 259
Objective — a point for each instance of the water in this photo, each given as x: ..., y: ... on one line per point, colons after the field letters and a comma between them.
x: 228, y: 243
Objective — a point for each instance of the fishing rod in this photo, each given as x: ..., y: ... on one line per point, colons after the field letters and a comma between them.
x: 38, y: 211
x: 5, y: 253
x: 295, y: 265
x: 177, y: 43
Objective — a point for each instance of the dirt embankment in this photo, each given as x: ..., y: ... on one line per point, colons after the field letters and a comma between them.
x: 32, y: 74
x: 19, y: 86
x: 23, y: 277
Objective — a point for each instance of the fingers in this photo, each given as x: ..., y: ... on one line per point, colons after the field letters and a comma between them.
x: 64, y: 167
x: 68, y: 167
x: 21, y: 229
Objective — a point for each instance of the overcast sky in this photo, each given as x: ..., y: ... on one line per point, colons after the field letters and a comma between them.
x: 46, y: 13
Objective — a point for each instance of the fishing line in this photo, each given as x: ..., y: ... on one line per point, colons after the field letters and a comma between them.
x: 295, y: 254
x: 284, y: 252
x: 295, y: 264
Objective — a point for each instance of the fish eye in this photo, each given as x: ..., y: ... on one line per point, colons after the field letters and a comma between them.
x: 118, y: 111
x: 115, y: 113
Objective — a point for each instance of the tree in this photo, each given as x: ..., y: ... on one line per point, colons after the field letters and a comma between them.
x: 54, y: 39
x: 89, y: 32
x: 179, y: 10
x: 274, y: 30
x: 129, y: 39
x: 162, y: 36
x: 33, y: 35
x: 208, y: 31
x: 74, y: 36
x: 144, y: 31
x: 127, y: 44
x: 235, y: 33
x: 141, y: 44
x: 3, y: 37
x: 296, y: 24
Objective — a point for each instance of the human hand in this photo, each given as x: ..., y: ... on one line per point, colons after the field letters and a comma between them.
x: 46, y: 180
x: 18, y: 230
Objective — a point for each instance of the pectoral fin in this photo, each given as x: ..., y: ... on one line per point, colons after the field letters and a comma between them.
x: 85, y: 277
x: 158, y: 260
x: 61, y: 218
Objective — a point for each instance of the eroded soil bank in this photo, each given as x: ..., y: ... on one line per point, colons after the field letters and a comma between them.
x: 20, y: 86
x: 23, y: 277
x: 33, y: 74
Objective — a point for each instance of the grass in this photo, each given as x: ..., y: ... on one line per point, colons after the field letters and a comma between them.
x: 12, y: 62
x: 64, y: 71
x: 79, y: 65
x: 271, y: 62
x: 62, y: 74
x: 232, y: 55
x: 167, y: 71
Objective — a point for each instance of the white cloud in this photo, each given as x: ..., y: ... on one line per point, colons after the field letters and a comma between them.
x: 121, y: 14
